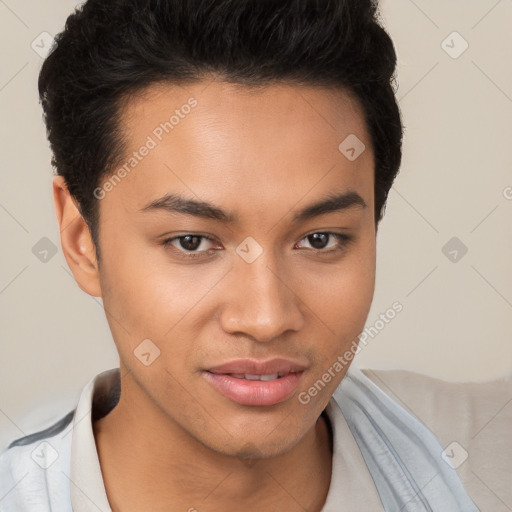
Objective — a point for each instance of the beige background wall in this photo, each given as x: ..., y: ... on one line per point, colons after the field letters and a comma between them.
x: 455, y: 181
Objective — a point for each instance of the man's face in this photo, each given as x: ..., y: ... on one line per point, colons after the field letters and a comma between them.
x: 265, y: 284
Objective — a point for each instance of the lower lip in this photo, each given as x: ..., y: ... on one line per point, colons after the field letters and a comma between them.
x: 254, y: 392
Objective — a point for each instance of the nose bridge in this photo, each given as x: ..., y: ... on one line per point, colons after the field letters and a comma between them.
x: 262, y: 304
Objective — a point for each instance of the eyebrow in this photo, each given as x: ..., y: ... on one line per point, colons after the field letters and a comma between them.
x: 174, y: 203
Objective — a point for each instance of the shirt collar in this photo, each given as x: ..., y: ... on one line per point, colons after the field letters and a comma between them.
x: 87, y: 486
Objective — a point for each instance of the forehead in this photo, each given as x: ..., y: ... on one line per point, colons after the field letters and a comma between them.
x: 318, y: 109
x: 276, y: 141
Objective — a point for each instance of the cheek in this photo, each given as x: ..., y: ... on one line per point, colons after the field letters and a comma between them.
x: 146, y: 296
x: 341, y: 294
x: 146, y: 290
x: 133, y: 290
x: 340, y: 301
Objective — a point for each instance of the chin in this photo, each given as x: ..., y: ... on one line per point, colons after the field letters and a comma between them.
x: 259, y: 446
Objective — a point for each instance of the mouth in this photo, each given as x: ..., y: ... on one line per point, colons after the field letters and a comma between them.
x: 256, y: 383
x: 266, y: 377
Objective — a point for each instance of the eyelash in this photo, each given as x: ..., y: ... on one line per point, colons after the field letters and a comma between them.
x: 344, y: 241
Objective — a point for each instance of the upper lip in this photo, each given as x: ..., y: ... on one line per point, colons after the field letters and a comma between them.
x: 255, y: 367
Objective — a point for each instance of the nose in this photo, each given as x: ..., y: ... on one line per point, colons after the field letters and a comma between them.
x: 261, y: 302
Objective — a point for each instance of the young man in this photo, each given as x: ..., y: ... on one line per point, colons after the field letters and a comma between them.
x: 222, y: 169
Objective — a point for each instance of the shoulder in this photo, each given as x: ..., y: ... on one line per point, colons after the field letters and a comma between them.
x: 471, y: 422
x: 33, y: 465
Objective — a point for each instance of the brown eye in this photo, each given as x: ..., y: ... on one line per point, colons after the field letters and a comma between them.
x: 327, y: 242
x: 190, y: 242
x: 187, y: 245
x: 318, y: 240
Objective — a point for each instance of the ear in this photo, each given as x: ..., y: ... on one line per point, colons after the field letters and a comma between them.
x: 76, y: 240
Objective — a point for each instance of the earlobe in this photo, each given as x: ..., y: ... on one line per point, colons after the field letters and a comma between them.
x: 76, y: 240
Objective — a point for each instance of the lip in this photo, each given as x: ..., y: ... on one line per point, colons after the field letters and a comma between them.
x: 256, y: 392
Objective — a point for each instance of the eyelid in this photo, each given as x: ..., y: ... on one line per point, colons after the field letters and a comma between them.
x: 343, y: 240
x: 188, y: 254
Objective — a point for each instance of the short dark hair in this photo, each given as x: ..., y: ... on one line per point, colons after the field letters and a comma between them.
x: 110, y: 50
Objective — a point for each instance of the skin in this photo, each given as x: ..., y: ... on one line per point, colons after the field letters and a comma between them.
x: 173, y: 442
